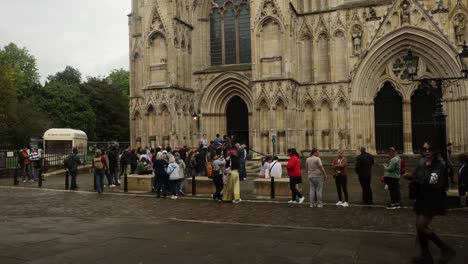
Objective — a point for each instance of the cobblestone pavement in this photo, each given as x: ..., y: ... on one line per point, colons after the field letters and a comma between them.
x: 51, y: 226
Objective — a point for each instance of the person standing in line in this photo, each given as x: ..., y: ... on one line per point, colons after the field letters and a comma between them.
x: 110, y: 180
x: 219, y: 164
x: 182, y: 173
x: 294, y: 172
x: 73, y: 170
x: 159, y: 167
x: 275, y: 169
x: 232, y: 189
x: 34, y: 157
x: 364, y: 163
x: 428, y: 185
x: 203, y: 142
x: 124, y: 161
x: 264, y: 170
x: 174, y: 176
x: 463, y: 178
x: 341, y: 179
x: 242, y: 160
x: 98, y: 167
x: 26, y: 164
x: 133, y: 158
x: 316, y: 174
x: 392, y: 178
x: 191, y: 163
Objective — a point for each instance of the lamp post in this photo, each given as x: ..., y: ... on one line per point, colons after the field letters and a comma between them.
x: 272, y: 184
x: 412, y: 65
x: 196, y: 118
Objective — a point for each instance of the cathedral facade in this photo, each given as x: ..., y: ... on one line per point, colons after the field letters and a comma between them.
x: 302, y: 73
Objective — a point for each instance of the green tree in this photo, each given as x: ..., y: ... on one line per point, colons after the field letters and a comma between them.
x: 68, y: 76
x: 110, y: 107
x: 120, y: 78
x: 21, y: 68
x: 66, y: 107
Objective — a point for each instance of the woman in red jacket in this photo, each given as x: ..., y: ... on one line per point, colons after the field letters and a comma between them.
x: 294, y: 173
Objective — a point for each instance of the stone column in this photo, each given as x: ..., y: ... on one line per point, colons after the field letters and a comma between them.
x: 407, y: 129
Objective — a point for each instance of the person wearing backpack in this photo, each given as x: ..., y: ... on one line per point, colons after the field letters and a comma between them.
x: 98, y: 166
x: 71, y: 164
x: 463, y: 178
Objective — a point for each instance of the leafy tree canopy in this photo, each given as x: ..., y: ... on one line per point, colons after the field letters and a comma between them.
x: 120, y: 78
x: 68, y: 76
x: 21, y: 69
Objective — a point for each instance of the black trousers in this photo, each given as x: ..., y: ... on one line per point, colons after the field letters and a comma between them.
x: 341, y: 182
x: 366, y: 189
x: 218, y: 182
x: 394, y: 189
x: 293, y: 181
x: 162, y: 183
x: 73, y: 174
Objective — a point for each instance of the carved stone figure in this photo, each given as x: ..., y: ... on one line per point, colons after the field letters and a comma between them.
x: 357, y: 39
x: 405, y: 13
x: 460, y: 24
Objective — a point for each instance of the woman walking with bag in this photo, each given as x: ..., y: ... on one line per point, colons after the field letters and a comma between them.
x: 427, y: 188
x: 341, y: 178
x: 294, y: 172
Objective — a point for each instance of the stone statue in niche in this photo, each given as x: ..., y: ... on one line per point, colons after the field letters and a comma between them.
x: 405, y: 13
x: 440, y: 7
x: 356, y: 34
x: 460, y: 25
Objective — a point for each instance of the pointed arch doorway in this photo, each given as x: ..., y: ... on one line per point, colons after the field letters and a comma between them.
x: 237, y: 120
x: 388, y: 108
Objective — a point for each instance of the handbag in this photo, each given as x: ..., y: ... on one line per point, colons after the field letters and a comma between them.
x: 209, y: 170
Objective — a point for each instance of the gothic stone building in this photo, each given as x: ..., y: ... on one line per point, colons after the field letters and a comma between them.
x: 309, y: 73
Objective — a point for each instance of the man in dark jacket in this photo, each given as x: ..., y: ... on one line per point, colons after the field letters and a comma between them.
x: 124, y: 161
x: 364, y: 164
x: 73, y: 168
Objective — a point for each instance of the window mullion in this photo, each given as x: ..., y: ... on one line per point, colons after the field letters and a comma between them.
x: 223, y: 41
x: 237, y: 37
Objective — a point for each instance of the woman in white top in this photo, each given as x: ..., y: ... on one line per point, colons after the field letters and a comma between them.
x: 275, y: 170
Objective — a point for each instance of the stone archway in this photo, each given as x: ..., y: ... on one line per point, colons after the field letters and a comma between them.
x: 372, y: 72
x: 215, y: 100
x: 237, y: 120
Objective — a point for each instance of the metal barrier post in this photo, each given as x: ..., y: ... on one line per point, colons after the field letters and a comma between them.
x: 194, y: 186
x: 273, y: 141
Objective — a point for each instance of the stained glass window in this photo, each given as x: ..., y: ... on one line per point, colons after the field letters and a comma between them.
x: 230, y: 32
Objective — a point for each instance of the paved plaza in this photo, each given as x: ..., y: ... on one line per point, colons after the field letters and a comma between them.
x: 53, y: 226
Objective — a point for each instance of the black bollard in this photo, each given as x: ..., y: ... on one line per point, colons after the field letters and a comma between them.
x: 125, y: 182
x: 15, y: 177
x: 39, y: 180
x: 194, y: 186
x: 272, y: 187
x: 67, y: 175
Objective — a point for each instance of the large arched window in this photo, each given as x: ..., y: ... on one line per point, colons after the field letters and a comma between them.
x: 230, y: 32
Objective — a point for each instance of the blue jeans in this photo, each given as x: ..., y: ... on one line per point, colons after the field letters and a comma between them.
x: 316, y: 186
x: 242, y: 170
x: 99, y: 178
x: 27, y: 171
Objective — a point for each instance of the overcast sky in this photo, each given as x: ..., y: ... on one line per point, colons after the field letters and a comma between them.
x: 90, y: 35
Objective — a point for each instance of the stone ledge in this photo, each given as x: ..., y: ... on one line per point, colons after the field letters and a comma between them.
x: 205, y: 185
x: 138, y: 182
x: 262, y: 187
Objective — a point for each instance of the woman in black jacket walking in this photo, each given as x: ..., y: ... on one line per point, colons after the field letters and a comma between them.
x: 427, y: 188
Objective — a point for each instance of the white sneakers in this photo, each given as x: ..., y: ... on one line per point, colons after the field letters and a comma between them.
x: 301, y: 200
x: 292, y: 202
x: 173, y: 197
x: 342, y: 204
x: 112, y: 185
x: 236, y: 201
x: 320, y: 205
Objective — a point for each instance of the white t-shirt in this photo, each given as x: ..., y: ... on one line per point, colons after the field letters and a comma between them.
x: 275, y: 170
